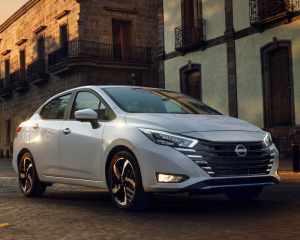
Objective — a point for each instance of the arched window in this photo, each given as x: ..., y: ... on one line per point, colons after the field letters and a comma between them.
x: 191, y: 81
x: 278, y: 84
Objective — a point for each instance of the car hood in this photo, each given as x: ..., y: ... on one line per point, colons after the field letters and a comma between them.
x: 185, y: 123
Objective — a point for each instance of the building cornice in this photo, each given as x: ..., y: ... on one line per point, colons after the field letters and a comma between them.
x: 18, y: 14
x: 126, y: 10
x: 5, y: 52
x: 62, y: 14
x: 19, y: 43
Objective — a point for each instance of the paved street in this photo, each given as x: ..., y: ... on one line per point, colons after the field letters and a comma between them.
x: 71, y: 212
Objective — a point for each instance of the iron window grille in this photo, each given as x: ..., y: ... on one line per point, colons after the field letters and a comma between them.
x: 190, y: 34
x: 263, y: 11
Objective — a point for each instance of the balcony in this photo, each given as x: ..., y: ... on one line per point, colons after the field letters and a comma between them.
x: 5, y: 91
x: 36, y: 72
x: 267, y: 11
x: 190, y: 36
x: 17, y: 81
x: 81, y: 55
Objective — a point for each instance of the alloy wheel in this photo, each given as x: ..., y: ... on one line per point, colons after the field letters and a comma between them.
x: 26, y: 175
x: 123, y: 181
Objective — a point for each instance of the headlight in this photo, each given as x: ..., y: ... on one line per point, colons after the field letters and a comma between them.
x: 268, y: 139
x: 168, y: 139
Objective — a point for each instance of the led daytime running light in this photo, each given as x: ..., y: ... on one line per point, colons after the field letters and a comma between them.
x: 169, y: 139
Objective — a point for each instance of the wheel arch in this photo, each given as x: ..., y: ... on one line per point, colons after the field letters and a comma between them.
x: 21, y: 153
x: 112, y: 153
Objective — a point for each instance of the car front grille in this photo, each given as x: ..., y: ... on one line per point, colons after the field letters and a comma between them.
x: 221, y: 160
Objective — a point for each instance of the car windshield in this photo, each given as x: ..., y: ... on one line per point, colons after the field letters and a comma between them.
x: 144, y: 100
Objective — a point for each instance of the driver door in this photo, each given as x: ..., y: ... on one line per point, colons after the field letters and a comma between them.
x: 80, y: 144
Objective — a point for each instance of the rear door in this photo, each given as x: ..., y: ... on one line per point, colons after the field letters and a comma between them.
x: 46, y: 128
x: 81, y: 145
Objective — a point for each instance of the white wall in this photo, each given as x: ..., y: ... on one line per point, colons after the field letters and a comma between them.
x: 241, y: 14
x: 213, y: 74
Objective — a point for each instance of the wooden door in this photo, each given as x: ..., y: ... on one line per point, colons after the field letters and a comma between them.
x: 280, y: 88
x: 192, y: 24
x: 125, y: 33
x: 192, y: 85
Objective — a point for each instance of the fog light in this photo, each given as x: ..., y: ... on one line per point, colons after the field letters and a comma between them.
x: 169, y: 178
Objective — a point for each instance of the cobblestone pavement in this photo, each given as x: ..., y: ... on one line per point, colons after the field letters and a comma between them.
x: 71, y: 212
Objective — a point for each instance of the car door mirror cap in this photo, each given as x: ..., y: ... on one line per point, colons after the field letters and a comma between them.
x: 87, y: 115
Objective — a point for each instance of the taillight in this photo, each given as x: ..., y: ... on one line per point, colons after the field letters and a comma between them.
x: 18, y: 130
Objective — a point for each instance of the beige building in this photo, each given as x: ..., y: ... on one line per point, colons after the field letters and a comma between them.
x: 49, y: 46
x: 239, y: 56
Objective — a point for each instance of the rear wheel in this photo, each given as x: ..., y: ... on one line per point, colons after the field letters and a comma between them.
x: 244, y: 194
x: 125, y: 183
x: 29, y: 182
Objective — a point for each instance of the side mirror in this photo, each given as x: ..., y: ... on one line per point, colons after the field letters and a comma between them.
x: 87, y: 115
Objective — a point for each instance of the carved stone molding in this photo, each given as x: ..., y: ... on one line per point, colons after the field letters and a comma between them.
x: 5, y: 52
x: 39, y: 29
x: 19, y: 43
x: 62, y: 14
x: 126, y: 10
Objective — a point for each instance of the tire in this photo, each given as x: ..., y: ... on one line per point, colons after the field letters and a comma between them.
x: 244, y: 194
x: 125, y: 183
x: 29, y: 182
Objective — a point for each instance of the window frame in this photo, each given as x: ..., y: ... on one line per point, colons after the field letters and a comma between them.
x: 73, y: 99
x: 184, y: 72
x: 265, y: 79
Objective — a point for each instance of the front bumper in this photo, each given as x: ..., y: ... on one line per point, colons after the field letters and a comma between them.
x: 154, y: 158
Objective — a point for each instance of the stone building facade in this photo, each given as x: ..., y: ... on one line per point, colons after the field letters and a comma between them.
x: 240, y: 57
x: 48, y: 46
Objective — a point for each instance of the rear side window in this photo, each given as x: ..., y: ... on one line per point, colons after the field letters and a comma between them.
x: 56, y: 108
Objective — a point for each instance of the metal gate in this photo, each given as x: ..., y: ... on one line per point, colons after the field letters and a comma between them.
x: 280, y: 88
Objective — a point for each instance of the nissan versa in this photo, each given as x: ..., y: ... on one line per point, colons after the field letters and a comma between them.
x: 137, y: 141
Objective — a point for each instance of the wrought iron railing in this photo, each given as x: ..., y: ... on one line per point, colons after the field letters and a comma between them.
x: 190, y: 33
x: 264, y: 9
x: 99, y: 51
x: 37, y: 67
x: 17, y: 76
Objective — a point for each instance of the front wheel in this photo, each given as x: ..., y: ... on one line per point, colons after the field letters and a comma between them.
x: 29, y: 182
x: 244, y: 194
x: 125, y: 183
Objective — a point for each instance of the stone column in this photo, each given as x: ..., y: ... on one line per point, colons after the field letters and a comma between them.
x: 231, y: 59
x: 161, y: 48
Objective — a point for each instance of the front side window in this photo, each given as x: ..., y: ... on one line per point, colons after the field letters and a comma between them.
x: 143, y: 100
x: 56, y: 108
x: 86, y: 100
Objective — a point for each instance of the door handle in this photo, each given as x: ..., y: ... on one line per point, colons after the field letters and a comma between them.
x: 36, y: 126
x: 66, y: 131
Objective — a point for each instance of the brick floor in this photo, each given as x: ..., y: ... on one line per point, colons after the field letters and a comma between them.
x: 71, y: 212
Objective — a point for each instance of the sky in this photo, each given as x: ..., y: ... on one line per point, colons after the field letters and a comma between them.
x: 9, y: 7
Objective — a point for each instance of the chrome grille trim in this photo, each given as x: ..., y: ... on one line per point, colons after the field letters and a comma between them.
x: 223, y: 161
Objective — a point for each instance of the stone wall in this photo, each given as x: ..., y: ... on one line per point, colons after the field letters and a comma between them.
x: 43, y: 13
x: 86, y: 20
